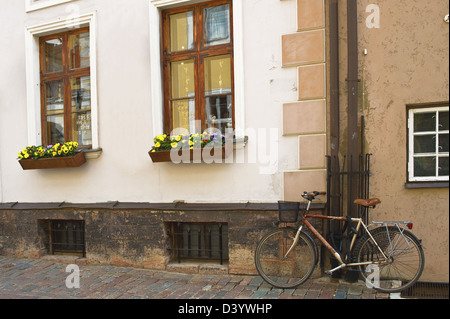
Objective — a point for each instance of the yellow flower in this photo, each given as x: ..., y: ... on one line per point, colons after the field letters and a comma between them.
x: 178, y: 138
x: 174, y: 145
x: 20, y: 155
x: 160, y: 137
x: 54, y: 153
x: 26, y: 155
x: 75, y: 144
x: 158, y: 145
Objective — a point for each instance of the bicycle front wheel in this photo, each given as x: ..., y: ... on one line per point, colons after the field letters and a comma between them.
x: 280, y: 268
x: 404, y: 264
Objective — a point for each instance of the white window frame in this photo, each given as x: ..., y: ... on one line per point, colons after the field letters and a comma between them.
x: 32, y: 35
x: 33, y: 5
x: 411, y: 134
x: 156, y: 6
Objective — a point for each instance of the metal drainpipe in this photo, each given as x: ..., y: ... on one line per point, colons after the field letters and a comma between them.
x: 352, y: 113
x: 334, y: 77
x: 333, y: 183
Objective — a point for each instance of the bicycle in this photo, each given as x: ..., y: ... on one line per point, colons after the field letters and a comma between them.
x: 287, y: 256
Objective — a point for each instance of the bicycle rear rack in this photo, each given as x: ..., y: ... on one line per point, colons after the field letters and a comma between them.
x: 401, y: 231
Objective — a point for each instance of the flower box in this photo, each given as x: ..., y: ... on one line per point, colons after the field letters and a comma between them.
x: 199, y: 155
x: 75, y: 160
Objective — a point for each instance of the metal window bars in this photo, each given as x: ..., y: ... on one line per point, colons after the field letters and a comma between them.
x: 198, y: 241
x: 66, y: 237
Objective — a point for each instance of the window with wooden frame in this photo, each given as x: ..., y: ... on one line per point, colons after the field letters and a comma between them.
x: 66, y: 88
x: 198, y: 67
x: 428, y: 147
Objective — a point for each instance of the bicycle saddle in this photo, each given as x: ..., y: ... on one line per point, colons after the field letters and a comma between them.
x: 368, y: 202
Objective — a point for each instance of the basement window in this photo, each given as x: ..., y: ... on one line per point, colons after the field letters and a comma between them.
x: 198, y: 241
x: 64, y: 237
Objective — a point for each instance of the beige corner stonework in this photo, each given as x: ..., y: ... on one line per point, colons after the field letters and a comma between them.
x: 312, y: 151
x: 303, y: 48
x: 296, y: 182
x: 305, y: 117
x: 311, y: 81
x: 310, y: 14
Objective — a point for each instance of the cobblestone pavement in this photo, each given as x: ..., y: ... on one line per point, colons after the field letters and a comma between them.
x: 46, y: 279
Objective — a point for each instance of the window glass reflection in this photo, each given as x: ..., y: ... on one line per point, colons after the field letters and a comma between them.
x: 79, y: 50
x: 53, y: 55
x: 216, y: 25
x: 181, y: 31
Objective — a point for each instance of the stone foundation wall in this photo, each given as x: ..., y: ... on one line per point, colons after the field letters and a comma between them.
x: 135, y: 237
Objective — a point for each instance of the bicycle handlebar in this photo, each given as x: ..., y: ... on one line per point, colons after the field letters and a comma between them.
x: 312, y: 195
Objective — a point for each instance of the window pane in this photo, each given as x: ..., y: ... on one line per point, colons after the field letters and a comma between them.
x: 54, y: 97
x: 79, y: 50
x: 218, y: 75
x: 81, y: 128
x: 53, y: 56
x: 181, y: 31
x: 443, y: 166
x: 216, y: 28
x: 182, y: 79
x: 80, y: 91
x: 183, y: 115
x: 443, y: 121
x: 424, y: 166
x: 425, y: 144
x: 425, y: 122
x: 219, y: 112
x: 443, y: 143
x: 55, y: 129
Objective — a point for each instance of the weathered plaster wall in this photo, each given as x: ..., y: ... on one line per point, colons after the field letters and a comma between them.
x: 124, y: 170
x: 407, y: 62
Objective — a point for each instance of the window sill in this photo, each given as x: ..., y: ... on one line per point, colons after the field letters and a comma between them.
x: 93, y: 153
x: 414, y: 185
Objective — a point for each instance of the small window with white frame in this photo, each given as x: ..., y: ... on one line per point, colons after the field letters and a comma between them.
x: 428, y: 143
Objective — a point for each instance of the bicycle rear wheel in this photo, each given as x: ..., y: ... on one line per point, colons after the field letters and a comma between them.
x: 281, y: 270
x: 405, y: 263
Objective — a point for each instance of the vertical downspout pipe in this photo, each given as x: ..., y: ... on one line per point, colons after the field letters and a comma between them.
x: 334, y: 77
x: 333, y: 189
x: 353, y: 83
x: 333, y: 184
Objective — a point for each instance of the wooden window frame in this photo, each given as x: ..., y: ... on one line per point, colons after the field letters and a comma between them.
x: 199, y: 53
x: 65, y: 75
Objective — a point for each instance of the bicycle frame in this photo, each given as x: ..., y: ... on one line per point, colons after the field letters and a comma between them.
x: 287, y: 256
x: 359, y: 222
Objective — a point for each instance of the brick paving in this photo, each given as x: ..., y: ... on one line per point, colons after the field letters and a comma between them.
x: 46, y: 279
